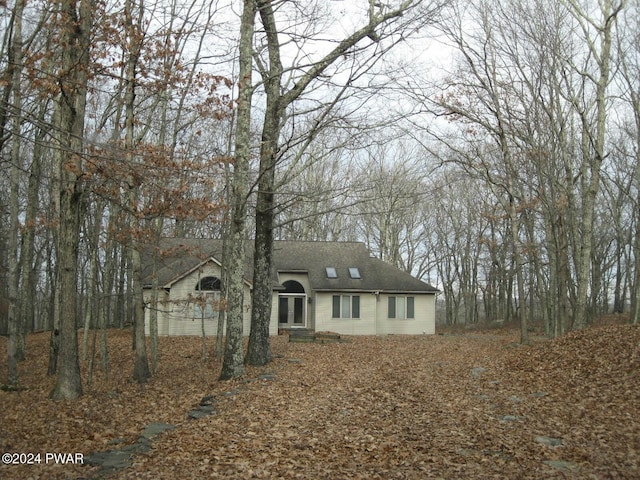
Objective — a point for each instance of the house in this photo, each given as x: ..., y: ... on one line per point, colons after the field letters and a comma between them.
x: 322, y: 286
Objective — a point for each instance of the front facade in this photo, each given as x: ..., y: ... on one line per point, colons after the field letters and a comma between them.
x: 321, y: 286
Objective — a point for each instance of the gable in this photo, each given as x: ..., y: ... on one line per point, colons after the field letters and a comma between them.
x: 185, y: 286
x: 178, y: 257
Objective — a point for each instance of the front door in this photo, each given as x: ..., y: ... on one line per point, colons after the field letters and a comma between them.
x: 291, y: 310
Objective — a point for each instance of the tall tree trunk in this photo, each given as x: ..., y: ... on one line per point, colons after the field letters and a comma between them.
x: 91, y: 314
x: 121, y: 312
x: 109, y: 287
x: 233, y: 360
x: 13, y: 318
x: 141, y: 371
x: 53, y: 322
x: 517, y: 259
x: 259, y: 349
x: 593, y: 151
x: 27, y: 253
x: 635, y: 288
x: 154, y: 303
x: 76, y: 18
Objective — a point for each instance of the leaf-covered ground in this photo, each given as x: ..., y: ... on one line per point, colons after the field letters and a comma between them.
x: 457, y: 405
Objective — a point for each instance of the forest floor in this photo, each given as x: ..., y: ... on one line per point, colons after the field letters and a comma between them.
x: 456, y: 405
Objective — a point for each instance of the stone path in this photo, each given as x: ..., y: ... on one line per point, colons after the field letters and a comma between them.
x: 118, y: 458
x: 121, y: 457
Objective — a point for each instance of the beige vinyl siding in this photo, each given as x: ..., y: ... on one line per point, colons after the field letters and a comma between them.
x: 423, y: 321
x: 365, y: 325
x: 273, y: 322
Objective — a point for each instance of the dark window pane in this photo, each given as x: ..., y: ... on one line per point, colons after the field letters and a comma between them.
x: 336, y: 306
x: 283, y: 310
x: 391, y: 312
x: 410, y: 307
x: 355, y: 306
x: 298, y: 310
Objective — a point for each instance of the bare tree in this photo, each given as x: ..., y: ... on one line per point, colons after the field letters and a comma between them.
x: 14, y: 320
x: 629, y: 59
x: 133, y: 23
x: 385, y: 25
x: 538, y: 87
x: 233, y: 361
x: 393, y: 203
x: 597, y: 30
x: 75, y: 22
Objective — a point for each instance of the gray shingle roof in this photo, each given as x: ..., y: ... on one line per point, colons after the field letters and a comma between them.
x: 181, y: 255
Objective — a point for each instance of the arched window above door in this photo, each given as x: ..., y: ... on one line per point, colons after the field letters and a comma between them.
x: 291, y: 286
x: 208, y: 284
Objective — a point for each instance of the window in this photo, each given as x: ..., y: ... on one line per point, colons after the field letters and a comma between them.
x: 204, y: 311
x: 207, y: 303
x: 401, y: 307
x: 346, y: 306
x: 291, y: 286
x: 354, y: 272
x: 331, y: 272
x: 207, y: 306
x: 208, y: 284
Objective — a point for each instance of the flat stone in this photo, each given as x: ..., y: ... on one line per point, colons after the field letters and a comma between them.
x: 153, y: 429
x: 143, y: 445
x: 267, y: 376
x: 110, y: 459
x: 465, y: 452
x: 121, y: 458
x: 538, y: 394
x: 476, y: 372
x: 197, y: 414
x: 294, y: 360
x: 549, y: 441
x: 510, y: 418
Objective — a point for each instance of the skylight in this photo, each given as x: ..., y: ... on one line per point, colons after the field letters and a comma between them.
x: 354, y: 272
x: 331, y: 272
